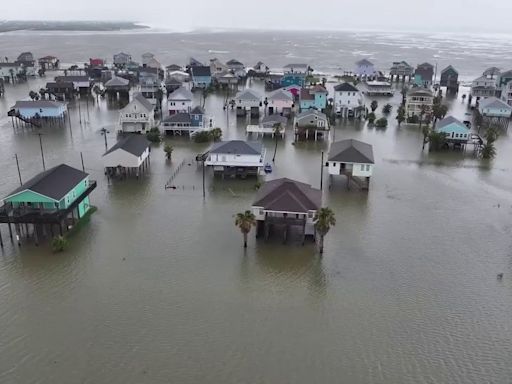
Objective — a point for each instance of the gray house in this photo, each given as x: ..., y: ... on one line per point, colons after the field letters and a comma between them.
x: 122, y: 59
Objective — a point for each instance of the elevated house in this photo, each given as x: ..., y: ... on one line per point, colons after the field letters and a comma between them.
x: 285, y: 204
x: 365, y: 69
x: 506, y: 93
x: 35, y: 112
x: 237, y: 68
x: 311, y: 122
x: 217, y: 67
x: 172, y: 84
x: 504, y: 78
x: 179, y: 75
x: 348, y: 101
x: 280, y: 101
x: 154, y: 63
x: 60, y: 91
x: 180, y: 101
x: 417, y: 100
x: 294, y: 90
x: 378, y: 88
x: 27, y: 62
x: 82, y: 84
x: 227, y: 79
x: 150, y: 75
x: 130, y: 155
x: 146, y: 58
x: 456, y: 132
x: 295, y: 74
x: 353, y: 159
x: 485, y: 86
x: 172, y: 68
x: 48, y: 62
x: 424, y: 75
x: 118, y: 87
x: 401, y: 70
x: 9, y: 72
x: 260, y: 69
x: 186, y: 122
x: 138, y: 116
x: 313, y: 98
x: 247, y: 101
x: 273, y: 81
x: 450, y: 79
x: 236, y: 158
x: 268, y: 126
x: 153, y: 92
x: 122, y: 59
x: 495, y: 112
x: 201, y: 76
x: 52, y: 200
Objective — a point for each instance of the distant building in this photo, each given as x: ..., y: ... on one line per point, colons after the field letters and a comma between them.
x: 236, y: 158
x: 450, y: 79
x: 247, y: 100
x: 348, y: 100
x: 201, y: 76
x: 146, y: 58
x: 122, y: 59
x: 424, y: 75
x: 506, y: 93
x: 172, y: 84
x: 180, y: 101
x: 280, y: 101
x: 483, y: 87
x: 401, y: 69
x: 9, y: 71
x: 313, y: 98
x: 61, y: 91
x: 352, y: 158
x: 295, y: 74
x: 285, y: 203
x: 494, y: 107
x: 261, y: 69
x: 138, y: 116
x: 118, y: 86
x: 379, y: 88
x: 217, y: 67
x: 365, y: 69
x: 82, y: 84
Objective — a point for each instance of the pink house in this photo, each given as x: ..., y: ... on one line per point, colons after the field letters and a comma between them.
x: 294, y: 90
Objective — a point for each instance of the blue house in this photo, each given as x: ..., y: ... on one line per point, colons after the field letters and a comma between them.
x: 454, y: 130
x: 201, y: 76
x: 197, y: 117
x: 294, y: 74
x: 40, y: 109
x: 494, y: 107
x: 313, y: 98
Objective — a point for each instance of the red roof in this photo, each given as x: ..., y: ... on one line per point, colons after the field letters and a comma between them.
x: 305, y: 95
x: 96, y: 62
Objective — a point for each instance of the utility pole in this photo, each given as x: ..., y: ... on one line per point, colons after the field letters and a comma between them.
x: 204, y: 191
x: 42, y: 152
x: 104, y: 133
x: 18, y: 166
x: 322, y: 172
x: 82, y: 158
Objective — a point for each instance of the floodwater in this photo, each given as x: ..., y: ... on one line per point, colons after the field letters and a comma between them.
x: 157, y: 288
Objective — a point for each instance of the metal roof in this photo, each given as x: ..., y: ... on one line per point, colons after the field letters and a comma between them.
x: 38, y: 104
x: 286, y: 195
x: 280, y: 94
x: 180, y: 94
x: 181, y: 117
x: 145, y: 102
x: 449, y: 120
x: 345, y: 87
x: 54, y: 183
x: 494, y: 102
x: 247, y: 94
x: 351, y: 151
x: 117, y: 82
x: 238, y: 147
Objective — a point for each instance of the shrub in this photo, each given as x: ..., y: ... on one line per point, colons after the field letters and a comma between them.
x: 371, y: 117
x: 381, y: 123
x: 202, y: 137
x: 59, y: 243
x: 153, y: 135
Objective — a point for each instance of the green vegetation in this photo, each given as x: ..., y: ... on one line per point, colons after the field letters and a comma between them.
x: 216, y: 134
x: 489, y: 150
x: 400, y: 115
x: 414, y: 119
x: 59, y: 244
x: 381, y: 123
x: 324, y: 220
x: 245, y: 221
x: 205, y: 136
x: 371, y: 118
x: 153, y: 135
x: 439, y: 112
x: 374, y: 105
x: 168, y: 149
x: 436, y: 140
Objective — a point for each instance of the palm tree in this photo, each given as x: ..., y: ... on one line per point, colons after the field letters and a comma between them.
x: 324, y: 220
x: 59, y: 243
x: 387, y: 109
x: 374, y: 105
x: 216, y: 134
x: 277, y: 131
x: 400, y: 115
x: 168, y: 149
x: 423, y: 111
x: 404, y: 95
x: 439, y: 111
x: 11, y: 72
x: 245, y: 221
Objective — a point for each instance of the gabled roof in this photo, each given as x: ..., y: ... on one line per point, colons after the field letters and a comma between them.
x: 364, y: 62
x: 181, y: 117
x: 133, y: 143
x: 494, y: 102
x: 449, y: 68
x: 451, y: 124
x: 305, y: 66
x: 247, y: 94
x: 180, y: 94
x: 117, y: 82
x: 122, y: 54
x: 238, y: 147
x: 318, y: 89
x: 417, y: 91
x: 345, y: 87
x: 38, y: 104
x: 493, y: 71
x: 285, y: 195
x: 142, y: 100
x: 54, y: 183
x: 274, y: 119
x: 62, y: 84
x: 309, y: 112
x: 403, y: 63
x: 426, y: 65
x: 172, y: 81
x: 351, y: 151
x: 174, y: 67
x: 234, y: 62
x: 280, y: 94
x: 197, y: 110
x: 201, y: 70
x: 449, y: 120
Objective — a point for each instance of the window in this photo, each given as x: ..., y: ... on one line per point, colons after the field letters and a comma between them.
x: 362, y: 167
x: 367, y: 168
x: 85, y: 183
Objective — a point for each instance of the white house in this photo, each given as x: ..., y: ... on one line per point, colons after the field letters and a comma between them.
x: 260, y: 68
x: 247, y: 99
x: 416, y: 99
x: 138, y: 116
x: 236, y: 157
x: 146, y: 58
x: 485, y: 85
x: 180, y: 101
x: 351, y: 158
x: 268, y: 124
x: 280, y: 101
x: 364, y: 68
x: 129, y: 153
x: 494, y: 107
x: 379, y: 88
x: 347, y: 99
x: 506, y: 93
x: 179, y: 75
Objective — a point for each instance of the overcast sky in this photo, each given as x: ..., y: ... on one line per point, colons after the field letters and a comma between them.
x: 431, y: 15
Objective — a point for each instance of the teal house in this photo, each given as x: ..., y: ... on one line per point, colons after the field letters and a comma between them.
x: 313, y: 98
x: 454, y: 130
x: 51, y: 196
x: 294, y: 74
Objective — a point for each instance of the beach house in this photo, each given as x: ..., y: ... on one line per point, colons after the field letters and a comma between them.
x: 348, y: 100
x: 353, y: 159
x: 130, y: 155
x: 418, y: 99
x: 284, y: 204
x: 236, y: 158
x: 280, y: 101
x: 138, y: 116
x: 247, y: 100
x: 294, y: 74
x: 450, y: 79
x: 310, y: 122
x: 313, y: 98
x: 364, y: 69
x: 180, y: 101
x: 424, y: 75
x: 494, y: 107
x: 40, y: 109
x: 401, y: 70
x: 455, y: 131
x: 201, y: 76
x: 122, y: 59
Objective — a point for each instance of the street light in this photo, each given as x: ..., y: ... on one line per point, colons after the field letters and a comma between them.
x: 104, y: 132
